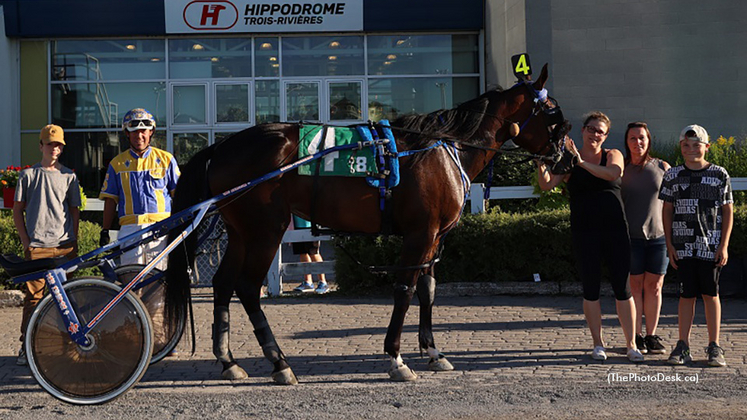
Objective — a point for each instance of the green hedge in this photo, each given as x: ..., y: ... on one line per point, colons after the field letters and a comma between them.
x: 488, y: 248
x: 10, y: 243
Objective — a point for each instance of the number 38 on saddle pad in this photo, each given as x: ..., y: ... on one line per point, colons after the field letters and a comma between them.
x: 378, y: 162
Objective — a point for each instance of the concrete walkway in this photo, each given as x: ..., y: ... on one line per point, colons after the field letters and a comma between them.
x: 341, y: 339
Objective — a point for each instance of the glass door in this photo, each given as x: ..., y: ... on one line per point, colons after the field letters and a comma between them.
x: 187, y: 144
x: 345, y: 98
x: 232, y: 103
x: 302, y: 101
x: 189, y: 104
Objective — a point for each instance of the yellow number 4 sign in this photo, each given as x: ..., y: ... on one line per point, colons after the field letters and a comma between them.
x: 521, y: 65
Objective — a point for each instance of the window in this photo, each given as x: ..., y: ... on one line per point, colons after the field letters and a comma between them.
x: 210, y: 58
x: 322, y: 56
x: 114, y: 59
x: 103, y: 105
x: 422, y: 54
x: 390, y: 98
x: 201, y: 89
x: 266, y: 57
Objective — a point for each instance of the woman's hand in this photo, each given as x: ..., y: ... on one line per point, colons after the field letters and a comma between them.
x: 571, y: 146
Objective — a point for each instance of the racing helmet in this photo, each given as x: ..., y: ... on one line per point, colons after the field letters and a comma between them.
x: 138, y: 119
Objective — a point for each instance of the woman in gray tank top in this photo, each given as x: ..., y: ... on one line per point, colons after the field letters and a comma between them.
x: 648, y: 251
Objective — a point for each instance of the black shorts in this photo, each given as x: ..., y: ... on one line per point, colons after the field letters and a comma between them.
x: 697, y: 277
x: 311, y: 248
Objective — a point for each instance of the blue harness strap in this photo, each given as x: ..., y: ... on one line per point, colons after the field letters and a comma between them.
x: 387, y: 158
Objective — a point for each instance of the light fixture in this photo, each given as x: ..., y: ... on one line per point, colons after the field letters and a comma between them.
x: 155, y: 59
x: 334, y: 44
x: 386, y: 63
x: 265, y: 46
x: 391, y: 57
x: 276, y: 65
x: 332, y: 58
x: 400, y: 41
x: 214, y: 59
x: 197, y: 47
x: 130, y: 47
x: 273, y: 58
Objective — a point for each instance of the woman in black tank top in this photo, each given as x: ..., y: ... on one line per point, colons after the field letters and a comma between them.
x: 599, y: 229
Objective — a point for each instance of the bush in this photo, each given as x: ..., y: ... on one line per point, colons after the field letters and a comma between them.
x: 738, y: 239
x: 490, y: 247
x: 10, y: 243
x: 482, y: 248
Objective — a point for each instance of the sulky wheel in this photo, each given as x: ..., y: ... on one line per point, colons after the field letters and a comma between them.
x: 120, y: 350
x: 153, y: 296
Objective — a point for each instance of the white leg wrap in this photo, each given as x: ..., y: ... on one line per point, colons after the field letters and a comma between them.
x: 400, y: 372
x: 397, y: 362
x: 433, y: 352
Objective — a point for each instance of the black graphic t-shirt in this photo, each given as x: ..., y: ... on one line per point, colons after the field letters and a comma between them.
x: 697, y: 197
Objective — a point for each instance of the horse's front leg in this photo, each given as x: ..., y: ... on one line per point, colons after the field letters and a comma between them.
x: 426, y: 297
x: 413, y: 253
x: 399, y: 370
x: 249, y: 295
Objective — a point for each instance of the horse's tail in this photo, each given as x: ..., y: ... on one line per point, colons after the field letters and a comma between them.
x: 191, y: 189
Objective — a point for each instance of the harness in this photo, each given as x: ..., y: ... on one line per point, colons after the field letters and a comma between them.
x: 387, y: 157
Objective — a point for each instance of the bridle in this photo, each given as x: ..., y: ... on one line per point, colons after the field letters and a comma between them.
x: 557, y: 126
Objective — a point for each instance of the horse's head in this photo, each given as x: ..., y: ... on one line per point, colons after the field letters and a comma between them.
x: 538, y: 124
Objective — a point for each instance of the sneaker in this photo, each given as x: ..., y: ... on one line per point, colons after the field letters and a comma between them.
x: 715, y: 355
x: 654, y: 344
x: 21, y: 360
x: 598, y: 353
x: 680, y: 355
x: 641, y: 343
x: 304, y: 287
x: 322, y: 288
x: 635, y: 356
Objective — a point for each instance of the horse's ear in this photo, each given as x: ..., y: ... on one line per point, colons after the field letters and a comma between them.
x: 540, y: 83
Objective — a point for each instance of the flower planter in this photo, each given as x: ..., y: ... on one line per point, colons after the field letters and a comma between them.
x: 8, y: 195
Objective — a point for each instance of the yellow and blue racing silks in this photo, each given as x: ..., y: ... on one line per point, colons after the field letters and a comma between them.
x: 141, y: 186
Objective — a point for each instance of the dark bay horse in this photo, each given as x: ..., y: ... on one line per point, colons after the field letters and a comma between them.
x: 425, y: 206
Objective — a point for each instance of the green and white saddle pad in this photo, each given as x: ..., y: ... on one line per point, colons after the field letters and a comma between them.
x: 339, y: 163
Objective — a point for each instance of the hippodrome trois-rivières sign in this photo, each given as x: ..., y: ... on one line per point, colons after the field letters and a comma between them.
x: 247, y: 16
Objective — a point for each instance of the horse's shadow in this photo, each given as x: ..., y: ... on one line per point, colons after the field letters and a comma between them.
x: 371, y: 368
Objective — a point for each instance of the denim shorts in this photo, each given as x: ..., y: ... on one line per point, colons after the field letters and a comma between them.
x: 648, y: 256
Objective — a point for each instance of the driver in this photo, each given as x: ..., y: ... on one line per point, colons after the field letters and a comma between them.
x: 138, y: 188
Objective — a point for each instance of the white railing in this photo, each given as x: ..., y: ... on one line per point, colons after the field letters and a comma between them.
x: 477, y: 192
x: 279, y: 269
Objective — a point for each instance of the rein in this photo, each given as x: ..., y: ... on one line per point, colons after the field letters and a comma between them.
x: 464, y: 143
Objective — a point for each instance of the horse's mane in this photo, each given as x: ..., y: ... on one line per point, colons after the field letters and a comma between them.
x: 461, y: 122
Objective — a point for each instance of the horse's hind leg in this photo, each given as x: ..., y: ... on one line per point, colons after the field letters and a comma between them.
x: 223, y: 282
x: 426, y: 295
